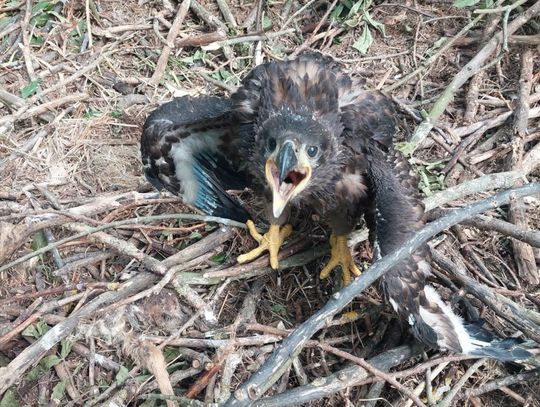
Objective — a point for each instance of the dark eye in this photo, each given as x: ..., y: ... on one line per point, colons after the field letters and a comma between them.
x: 312, y: 151
x: 271, y: 144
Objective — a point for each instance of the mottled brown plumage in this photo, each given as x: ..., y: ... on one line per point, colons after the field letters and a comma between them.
x: 304, y: 133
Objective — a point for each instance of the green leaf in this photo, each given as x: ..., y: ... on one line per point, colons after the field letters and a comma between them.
x: 36, y: 40
x: 465, y: 3
x: 36, y: 330
x: 355, y: 8
x: 122, y: 375
x: 374, y: 23
x: 266, y: 23
x: 49, y: 361
x: 219, y: 258
x: 364, y: 42
x: 336, y: 13
x: 9, y: 400
x: 42, y: 6
x: 170, y: 354
x: 195, y: 235
x: 66, y: 348
x: 279, y: 309
x: 58, y: 391
x: 30, y: 89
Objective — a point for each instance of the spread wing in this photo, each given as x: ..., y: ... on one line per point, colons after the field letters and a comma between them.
x: 189, y: 147
x: 395, y: 212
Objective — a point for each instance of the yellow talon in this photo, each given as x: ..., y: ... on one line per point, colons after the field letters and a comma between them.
x: 340, y: 256
x: 271, y: 241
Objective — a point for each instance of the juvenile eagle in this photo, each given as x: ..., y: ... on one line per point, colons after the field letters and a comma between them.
x: 303, y: 133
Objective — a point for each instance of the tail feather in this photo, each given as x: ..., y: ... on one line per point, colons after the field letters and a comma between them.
x: 488, y: 345
x: 458, y: 336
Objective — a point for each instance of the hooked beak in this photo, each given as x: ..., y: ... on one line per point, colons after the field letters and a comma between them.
x: 287, y: 174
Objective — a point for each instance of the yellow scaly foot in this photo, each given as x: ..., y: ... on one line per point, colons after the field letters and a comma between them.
x: 340, y: 256
x: 271, y: 241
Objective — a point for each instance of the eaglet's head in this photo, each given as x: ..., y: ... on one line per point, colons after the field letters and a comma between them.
x: 299, y: 153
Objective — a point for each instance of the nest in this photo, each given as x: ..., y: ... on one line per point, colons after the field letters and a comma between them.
x: 112, y: 292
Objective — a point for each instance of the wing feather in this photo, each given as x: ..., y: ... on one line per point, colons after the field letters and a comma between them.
x: 189, y: 147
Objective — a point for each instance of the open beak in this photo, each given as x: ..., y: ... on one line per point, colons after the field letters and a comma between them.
x: 287, y: 174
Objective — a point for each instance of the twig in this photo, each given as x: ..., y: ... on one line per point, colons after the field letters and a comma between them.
x: 375, y: 372
x: 471, y: 99
x: 13, y: 372
x: 297, y: 13
x: 474, y: 66
x: 25, y: 46
x: 171, y: 36
x: 214, y: 23
x: 341, y: 380
x: 203, y: 381
x: 524, y: 319
x: 500, y: 9
x: 310, y: 40
x: 248, y: 38
x: 523, y: 253
x: 280, y: 360
x: 462, y: 380
x: 134, y: 221
x: 88, y: 25
x: 504, y: 381
x: 481, y: 184
x: 485, y: 125
x: 226, y: 11
x: 428, y: 63
x: 528, y: 236
x: 200, y: 40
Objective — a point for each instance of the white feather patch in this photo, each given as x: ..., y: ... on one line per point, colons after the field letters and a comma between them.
x: 394, y: 304
x: 182, y: 153
x: 467, y: 343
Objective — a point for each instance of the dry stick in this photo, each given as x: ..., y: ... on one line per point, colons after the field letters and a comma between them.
x: 471, y: 98
x: 248, y: 38
x: 452, y: 393
x: 111, y: 31
x: 523, y: 253
x: 44, y: 107
x: 375, y: 372
x: 171, y: 36
x: 59, y: 290
x: 480, y: 184
x: 427, y: 384
x: 88, y: 25
x: 341, y: 380
x: 280, y: 360
x: 25, y: 46
x: 512, y: 39
x: 428, y: 63
x: 311, y: 38
x: 485, y: 125
x: 200, y: 40
x: 526, y: 320
x: 134, y: 221
x: 474, y: 66
x: 528, y: 236
x: 189, y: 294
x: 504, y: 381
x: 214, y: 23
x: 13, y: 372
x: 5, y: 121
x: 31, y: 355
x: 226, y: 11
